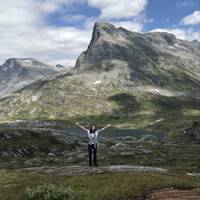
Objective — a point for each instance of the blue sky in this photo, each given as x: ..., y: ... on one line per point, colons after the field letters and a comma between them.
x: 163, y: 13
x: 168, y: 13
x: 57, y: 31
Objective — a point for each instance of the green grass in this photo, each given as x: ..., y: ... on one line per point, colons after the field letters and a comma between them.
x: 116, y: 186
x: 179, y: 158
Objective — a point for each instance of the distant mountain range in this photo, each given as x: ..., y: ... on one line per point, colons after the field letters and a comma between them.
x: 16, y: 73
x: 141, y: 78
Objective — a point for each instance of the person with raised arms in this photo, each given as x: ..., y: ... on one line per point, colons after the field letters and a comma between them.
x: 92, y: 143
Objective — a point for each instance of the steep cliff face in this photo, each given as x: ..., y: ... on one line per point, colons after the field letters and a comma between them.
x: 150, y: 58
x: 111, y: 46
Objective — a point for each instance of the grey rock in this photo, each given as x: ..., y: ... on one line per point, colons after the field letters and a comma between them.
x: 148, y: 139
x: 194, y: 174
x: 32, y: 162
x: 51, y: 154
x: 83, y: 170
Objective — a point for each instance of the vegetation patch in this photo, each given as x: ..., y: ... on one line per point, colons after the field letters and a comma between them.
x: 115, y: 186
x: 49, y: 192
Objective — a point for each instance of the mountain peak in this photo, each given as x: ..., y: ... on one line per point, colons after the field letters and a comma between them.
x: 100, y: 29
x: 103, y: 25
x: 21, y: 60
x: 22, y: 63
x: 16, y: 73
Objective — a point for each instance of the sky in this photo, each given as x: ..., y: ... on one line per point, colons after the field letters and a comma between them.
x: 57, y: 31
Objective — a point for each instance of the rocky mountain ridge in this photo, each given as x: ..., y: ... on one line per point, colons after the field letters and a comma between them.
x: 149, y: 79
x: 147, y: 58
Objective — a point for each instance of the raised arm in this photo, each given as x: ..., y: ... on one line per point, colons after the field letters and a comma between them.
x: 81, y: 126
x: 104, y: 127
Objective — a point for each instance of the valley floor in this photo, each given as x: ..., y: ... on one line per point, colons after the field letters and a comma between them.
x: 134, y: 165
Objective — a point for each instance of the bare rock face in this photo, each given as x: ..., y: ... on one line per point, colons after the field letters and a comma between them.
x: 110, y: 44
x: 150, y: 58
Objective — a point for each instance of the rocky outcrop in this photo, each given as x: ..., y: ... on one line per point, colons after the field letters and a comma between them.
x: 190, y: 134
x: 84, y: 170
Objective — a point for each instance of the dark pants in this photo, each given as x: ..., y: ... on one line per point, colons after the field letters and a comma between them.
x: 92, y: 150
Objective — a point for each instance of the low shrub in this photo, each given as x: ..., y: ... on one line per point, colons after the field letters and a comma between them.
x: 49, y: 192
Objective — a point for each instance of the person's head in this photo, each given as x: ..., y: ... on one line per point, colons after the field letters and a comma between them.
x: 93, y: 128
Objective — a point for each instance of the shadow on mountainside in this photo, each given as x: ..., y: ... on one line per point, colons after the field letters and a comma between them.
x: 128, y: 104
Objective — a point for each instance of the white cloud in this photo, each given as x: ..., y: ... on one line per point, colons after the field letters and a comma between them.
x: 136, y: 24
x: 130, y: 25
x: 192, y: 19
x: 133, y: 24
x: 25, y: 33
x: 184, y: 34
x: 49, y: 7
x: 48, y: 44
x: 114, y: 9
